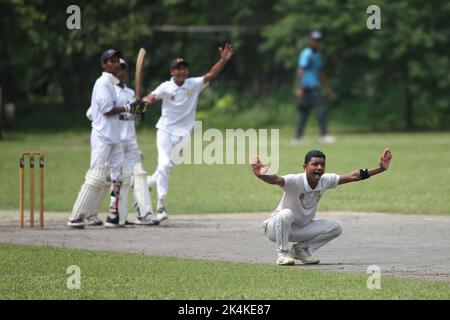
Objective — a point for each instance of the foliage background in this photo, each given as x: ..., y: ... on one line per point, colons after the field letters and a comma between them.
x: 396, y: 78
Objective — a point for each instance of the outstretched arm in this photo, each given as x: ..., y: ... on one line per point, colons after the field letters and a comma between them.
x: 225, y: 55
x: 260, y: 171
x: 150, y: 98
x: 358, y: 175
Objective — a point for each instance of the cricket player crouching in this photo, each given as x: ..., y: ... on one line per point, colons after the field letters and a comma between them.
x: 293, y: 220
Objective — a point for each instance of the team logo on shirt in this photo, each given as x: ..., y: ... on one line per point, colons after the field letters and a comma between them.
x: 302, y: 197
x: 180, y: 94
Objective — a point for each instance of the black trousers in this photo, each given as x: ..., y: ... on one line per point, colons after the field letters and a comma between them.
x: 311, y: 99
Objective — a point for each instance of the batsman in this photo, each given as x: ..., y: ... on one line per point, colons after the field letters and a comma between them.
x: 293, y: 219
x: 107, y: 163
x: 132, y: 154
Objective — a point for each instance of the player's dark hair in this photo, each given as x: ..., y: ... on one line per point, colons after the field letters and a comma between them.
x: 314, y: 154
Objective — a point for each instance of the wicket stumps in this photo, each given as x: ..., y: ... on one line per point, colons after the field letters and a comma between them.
x: 41, y: 186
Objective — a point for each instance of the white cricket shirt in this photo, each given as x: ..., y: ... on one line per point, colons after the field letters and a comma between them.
x: 179, y: 104
x: 104, y: 98
x: 127, y: 127
x: 301, y: 199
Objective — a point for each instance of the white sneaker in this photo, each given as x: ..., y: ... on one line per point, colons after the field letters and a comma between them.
x: 285, y: 260
x: 301, y: 252
x: 327, y: 139
x: 149, y: 220
x: 161, y: 215
x: 93, y: 221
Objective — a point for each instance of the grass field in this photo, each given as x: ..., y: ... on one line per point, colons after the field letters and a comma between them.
x: 415, y: 183
x: 28, y: 272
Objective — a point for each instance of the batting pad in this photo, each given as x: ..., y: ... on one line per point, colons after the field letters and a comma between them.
x: 123, y: 196
x: 141, y: 192
x: 99, y: 200
x: 92, y: 192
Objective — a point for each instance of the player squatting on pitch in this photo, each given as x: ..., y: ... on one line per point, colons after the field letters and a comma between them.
x: 293, y: 219
x: 179, y: 103
x: 133, y: 157
x: 107, y: 157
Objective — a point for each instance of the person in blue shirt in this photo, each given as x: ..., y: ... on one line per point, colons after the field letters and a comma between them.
x: 310, y: 77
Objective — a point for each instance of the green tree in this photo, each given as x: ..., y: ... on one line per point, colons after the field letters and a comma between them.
x: 408, y: 56
x: 405, y: 61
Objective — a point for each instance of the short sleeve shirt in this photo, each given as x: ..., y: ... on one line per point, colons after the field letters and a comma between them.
x: 301, y: 199
x: 103, y: 100
x: 311, y: 63
x: 179, y: 105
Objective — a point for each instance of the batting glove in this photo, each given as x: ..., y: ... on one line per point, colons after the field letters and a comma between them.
x: 135, y: 107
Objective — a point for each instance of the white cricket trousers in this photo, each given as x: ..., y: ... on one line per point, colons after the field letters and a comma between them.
x: 131, y: 153
x: 279, y: 228
x: 107, y: 154
x: 165, y: 143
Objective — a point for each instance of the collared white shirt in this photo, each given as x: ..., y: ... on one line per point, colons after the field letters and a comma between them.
x: 301, y: 199
x: 104, y: 98
x: 127, y: 127
x: 179, y: 104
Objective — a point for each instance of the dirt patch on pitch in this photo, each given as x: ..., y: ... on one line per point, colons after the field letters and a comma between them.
x: 404, y: 245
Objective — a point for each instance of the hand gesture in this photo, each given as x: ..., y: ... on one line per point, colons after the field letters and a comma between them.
x: 299, y: 92
x: 226, y: 52
x: 258, y: 168
x: 385, y: 159
x: 150, y: 98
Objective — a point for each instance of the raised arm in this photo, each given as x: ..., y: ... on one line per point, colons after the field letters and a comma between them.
x: 260, y: 171
x: 362, y: 174
x: 225, y: 55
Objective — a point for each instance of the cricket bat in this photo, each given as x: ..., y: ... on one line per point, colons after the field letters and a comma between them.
x: 139, y: 74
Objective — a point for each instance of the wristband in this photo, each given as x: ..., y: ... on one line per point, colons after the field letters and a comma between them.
x: 364, y: 173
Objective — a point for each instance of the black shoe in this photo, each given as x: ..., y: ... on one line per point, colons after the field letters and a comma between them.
x: 78, y: 223
x: 112, y: 222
